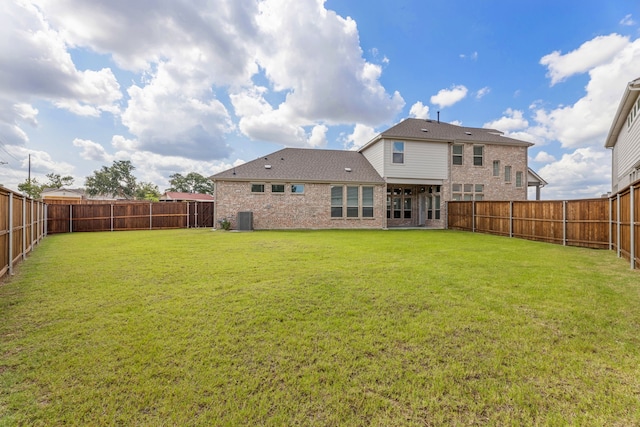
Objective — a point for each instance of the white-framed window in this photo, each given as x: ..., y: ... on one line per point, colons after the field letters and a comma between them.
x: 398, y: 152
x: 399, y: 202
x: 297, y: 188
x: 352, y: 202
x: 519, y: 179
x: 257, y: 188
x: 457, y: 151
x: 507, y: 174
x: 478, y: 155
x: 479, y: 188
x: 496, y: 168
x: 467, y: 191
x: 277, y: 188
x: 433, y: 207
x: 367, y: 202
x: 336, y: 201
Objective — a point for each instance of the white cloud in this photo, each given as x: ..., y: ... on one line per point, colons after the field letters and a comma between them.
x: 448, y: 97
x: 419, y: 111
x: 360, y: 136
x: 482, y: 92
x: 318, y: 137
x: 627, y: 21
x: 544, y: 157
x: 512, y: 120
x: 584, y: 173
x: 92, y: 150
x: 595, y: 52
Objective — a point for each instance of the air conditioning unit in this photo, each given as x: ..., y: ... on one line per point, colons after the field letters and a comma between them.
x: 245, y: 221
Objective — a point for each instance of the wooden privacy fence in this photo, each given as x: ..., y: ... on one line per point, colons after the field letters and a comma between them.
x: 607, y: 223
x: 68, y: 218
x: 22, y: 226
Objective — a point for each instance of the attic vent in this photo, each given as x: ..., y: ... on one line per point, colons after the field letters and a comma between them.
x: 347, y: 169
x: 468, y: 133
x: 424, y: 130
x: 267, y: 166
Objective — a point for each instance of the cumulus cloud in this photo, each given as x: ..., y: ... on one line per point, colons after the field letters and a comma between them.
x: 92, y: 150
x: 511, y: 121
x: 360, y: 136
x: 544, y: 157
x: 598, y: 51
x: 449, y: 97
x: 583, y: 173
x: 419, y: 111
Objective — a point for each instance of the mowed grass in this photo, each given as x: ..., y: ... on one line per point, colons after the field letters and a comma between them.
x: 327, y: 328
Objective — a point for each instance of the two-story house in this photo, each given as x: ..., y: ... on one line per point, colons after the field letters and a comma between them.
x: 401, y: 178
x: 624, y: 139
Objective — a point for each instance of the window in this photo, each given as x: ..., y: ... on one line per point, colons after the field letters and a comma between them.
x: 457, y: 151
x: 400, y: 203
x: 518, y: 179
x: 496, y: 168
x: 456, y: 188
x: 468, y: 188
x: 407, y: 207
x: 470, y: 191
x: 433, y: 207
x: 479, y: 188
x: 297, y: 188
x: 277, y: 188
x: 367, y: 202
x: 457, y: 196
x: 478, y: 153
x: 352, y: 202
x: 397, y: 204
x: 507, y: 174
x: 336, y: 201
x: 257, y: 188
x: 398, y: 152
x: 479, y: 197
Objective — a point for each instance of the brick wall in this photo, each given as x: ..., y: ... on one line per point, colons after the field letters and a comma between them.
x: 309, y: 210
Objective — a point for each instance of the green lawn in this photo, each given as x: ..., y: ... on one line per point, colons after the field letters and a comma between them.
x: 339, y: 328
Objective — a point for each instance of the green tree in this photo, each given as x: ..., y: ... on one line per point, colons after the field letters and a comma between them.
x: 147, y: 191
x: 193, y: 182
x: 58, y: 181
x: 31, y: 188
x: 116, y: 180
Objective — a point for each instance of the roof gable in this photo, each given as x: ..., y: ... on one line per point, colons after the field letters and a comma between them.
x: 626, y: 103
x: 305, y: 165
x: 436, y: 131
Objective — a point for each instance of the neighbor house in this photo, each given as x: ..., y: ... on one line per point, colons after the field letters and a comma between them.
x: 176, y: 196
x: 624, y: 139
x: 401, y: 178
x: 62, y: 195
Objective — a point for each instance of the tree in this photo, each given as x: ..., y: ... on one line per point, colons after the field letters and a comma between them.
x: 192, y: 183
x: 147, y: 191
x: 116, y: 180
x: 31, y: 188
x: 57, y: 181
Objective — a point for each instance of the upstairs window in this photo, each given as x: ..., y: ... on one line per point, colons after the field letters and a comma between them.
x: 456, y: 151
x: 496, y: 168
x: 277, y: 188
x: 398, y: 152
x: 257, y: 188
x: 297, y: 188
x: 518, y: 179
x: 507, y: 174
x: 478, y: 154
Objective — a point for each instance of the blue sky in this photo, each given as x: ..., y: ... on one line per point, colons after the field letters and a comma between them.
x: 180, y: 86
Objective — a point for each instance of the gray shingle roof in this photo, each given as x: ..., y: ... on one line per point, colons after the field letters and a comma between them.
x: 439, y: 131
x: 305, y: 165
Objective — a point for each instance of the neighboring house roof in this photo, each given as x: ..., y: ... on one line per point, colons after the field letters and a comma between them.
x: 195, y: 197
x: 626, y: 104
x: 63, y: 192
x: 305, y: 165
x: 431, y: 130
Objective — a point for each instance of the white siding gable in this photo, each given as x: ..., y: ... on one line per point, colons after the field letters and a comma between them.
x: 422, y: 160
x: 626, y: 154
x: 375, y: 155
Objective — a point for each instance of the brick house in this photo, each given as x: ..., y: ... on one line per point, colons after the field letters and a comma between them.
x: 426, y: 163
x: 624, y: 139
x: 303, y: 188
x: 401, y: 178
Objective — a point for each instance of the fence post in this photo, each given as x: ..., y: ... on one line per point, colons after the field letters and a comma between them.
x: 195, y: 214
x: 150, y: 216
x: 70, y: 218
x: 188, y: 212
x: 610, y: 224
x: 632, y: 232
x: 473, y: 216
x: 46, y: 219
x: 511, y: 218
x: 24, y: 227
x: 564, y: 223
x: 111, y: 204
x: 11, y: 233
x: 618, y: 232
